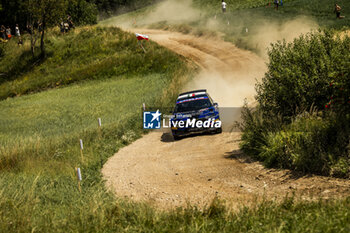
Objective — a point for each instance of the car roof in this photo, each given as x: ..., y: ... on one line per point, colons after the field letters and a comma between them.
x: 191, y: 94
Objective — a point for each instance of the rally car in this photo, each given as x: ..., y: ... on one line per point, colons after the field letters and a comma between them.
x: 195, y: 112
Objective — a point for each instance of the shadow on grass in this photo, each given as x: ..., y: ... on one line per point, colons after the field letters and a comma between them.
x: 22, y: 65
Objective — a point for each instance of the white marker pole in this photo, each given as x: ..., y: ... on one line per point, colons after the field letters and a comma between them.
x: 81, y: 149
x: 79, y: 178
x: 79, y: 174
x: 246, y: 30
x: 144, y: 106
x: 100, y: 136
x: 81, y: 144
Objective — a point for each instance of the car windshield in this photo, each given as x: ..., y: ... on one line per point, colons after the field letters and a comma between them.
x: 192, y: 105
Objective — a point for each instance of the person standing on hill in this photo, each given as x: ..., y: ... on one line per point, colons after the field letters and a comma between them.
x: 29, y: 29
x: 8, y: 33
x: 62, y: 26
x: 223, y: 4
x: 3, y: 32
x: 17, y: 31
x: 66, y: 27
x: 276, y: 2
x: 337, y: 10
x: 70, y: 22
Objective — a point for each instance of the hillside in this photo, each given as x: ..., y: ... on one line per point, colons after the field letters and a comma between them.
x: 87, y: 53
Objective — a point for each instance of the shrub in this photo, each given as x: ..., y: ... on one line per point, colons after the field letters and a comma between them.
x: 255, y: 128
x: 300, y: 73
x: 311, y: 73
x: 310, y: 144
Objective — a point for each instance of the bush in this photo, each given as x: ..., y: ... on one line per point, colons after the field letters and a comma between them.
x: 311, y: 143
x: 311, y: 73
x: 256, y: 128
x: 300, y: 73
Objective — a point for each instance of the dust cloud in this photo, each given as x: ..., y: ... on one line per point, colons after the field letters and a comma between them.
x: 173, y: 11
x: 170, y: 11
x: 228, y: 90
x: 235, y: 84
x: 228, y: 73
x: 271, y: 32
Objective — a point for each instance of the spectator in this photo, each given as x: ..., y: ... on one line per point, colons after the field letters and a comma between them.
x: 62, y: 27
x: 29, y: 29
x: 276, y: 2
x: 17, y: 31
x: 3, y: 32
x: 70, y: 22
x: 8, y: 33
x: 223, y: 6
x: 66, y: 27
x: 337, y: 10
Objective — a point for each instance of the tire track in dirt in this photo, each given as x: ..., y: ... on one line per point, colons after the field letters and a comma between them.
x: 194, y: 170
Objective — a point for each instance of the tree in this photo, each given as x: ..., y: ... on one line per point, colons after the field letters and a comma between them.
x: 41, y: 15
x: 82, y: 12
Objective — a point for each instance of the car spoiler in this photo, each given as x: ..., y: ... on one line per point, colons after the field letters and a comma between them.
x: 190, y: 92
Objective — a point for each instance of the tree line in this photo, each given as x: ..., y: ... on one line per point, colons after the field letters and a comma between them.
x: 35, y: 16
x: 82, y: 11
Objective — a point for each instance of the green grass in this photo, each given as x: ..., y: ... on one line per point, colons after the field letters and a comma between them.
x: 40, y: 149
x: 34, y: 128
x: 89, y: 53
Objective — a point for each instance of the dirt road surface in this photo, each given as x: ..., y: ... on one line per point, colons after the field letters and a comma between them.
x: 196, y: 169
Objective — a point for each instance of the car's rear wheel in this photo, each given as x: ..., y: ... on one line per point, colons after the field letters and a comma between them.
x: 176, y: 137
x: 219, y: 130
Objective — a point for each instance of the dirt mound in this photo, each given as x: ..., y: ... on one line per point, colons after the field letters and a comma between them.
x: 196, y: 169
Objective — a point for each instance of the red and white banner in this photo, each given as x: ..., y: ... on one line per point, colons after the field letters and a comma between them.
x: 141, y: 37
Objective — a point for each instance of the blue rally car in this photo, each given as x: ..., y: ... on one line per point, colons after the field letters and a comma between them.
x: 195, y: 112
